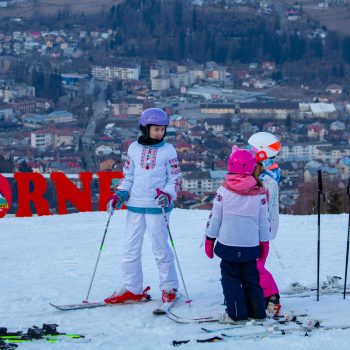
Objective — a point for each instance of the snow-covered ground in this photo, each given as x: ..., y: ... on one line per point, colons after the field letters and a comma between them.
x: 51, y: 259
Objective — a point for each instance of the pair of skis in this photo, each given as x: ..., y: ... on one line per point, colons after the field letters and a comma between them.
x: 162, y: 309
x: 279, y: 319
x: 271, y: 332
x: 6, y: 346
x: 329, y: 287
x: 91, y: 305
x: 48, y: 332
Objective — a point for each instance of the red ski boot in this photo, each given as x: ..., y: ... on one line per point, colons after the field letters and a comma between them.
x: 168, y: 296
x: 124, y: 296
x: 273, y: 304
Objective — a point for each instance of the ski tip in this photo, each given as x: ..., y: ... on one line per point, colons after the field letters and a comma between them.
x: 159, y: 312
x: 58, y: 307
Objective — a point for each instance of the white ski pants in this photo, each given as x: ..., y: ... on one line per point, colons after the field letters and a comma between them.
x: 136, y: 225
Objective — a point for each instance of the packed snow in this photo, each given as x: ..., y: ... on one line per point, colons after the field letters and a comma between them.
x: 51, y: 259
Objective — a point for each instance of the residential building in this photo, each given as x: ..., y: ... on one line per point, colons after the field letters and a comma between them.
x: 126, y: 108
x: 201, y: 182
x: 311, y: 172
x: 344, y: 168
x: 10, y: 91
x: 41, y: 139
x: 337, y: 126
x: 217, y: 125
x: 302, y: 151
x: 55, y: 138
x: 56, y: 117
x: 278, y: 110
x: 160, y: 83
x: 122, y: 72
x: 332, y: 154
x: 215, y: 72
x: 6, y: 111
x: 316, y: 131
x: 24, y: 105
x: 334, y: 89
x: 180, y: 122
x: 323, y: 110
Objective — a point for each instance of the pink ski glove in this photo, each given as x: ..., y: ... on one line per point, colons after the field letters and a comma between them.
x: 209, y: 247
x: 117, y: 200
x: 163, y: 199
x: 264, y: 251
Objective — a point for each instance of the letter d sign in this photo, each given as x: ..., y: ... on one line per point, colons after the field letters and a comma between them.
x: 5, y: 196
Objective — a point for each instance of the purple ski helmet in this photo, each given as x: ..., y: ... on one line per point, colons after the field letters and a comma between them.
x: 241, y: 161
x: 154, y: 116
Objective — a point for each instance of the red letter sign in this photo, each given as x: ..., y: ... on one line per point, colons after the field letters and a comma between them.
x: 5, y: 196
x: 26, y: 194
x: 66, y: 190
x: 105, y: 179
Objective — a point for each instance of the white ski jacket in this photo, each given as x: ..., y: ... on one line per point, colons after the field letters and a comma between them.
x: 240, y: 221
x: 148, y: 168
x: 271, y: 185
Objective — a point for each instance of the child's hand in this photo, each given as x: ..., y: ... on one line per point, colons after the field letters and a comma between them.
x: 209, y: 247
x: 116, y: 201
x: 163, y: 199
x: 264, y: 251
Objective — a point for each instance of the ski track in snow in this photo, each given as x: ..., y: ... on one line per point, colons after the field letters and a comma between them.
x: 51, y: 259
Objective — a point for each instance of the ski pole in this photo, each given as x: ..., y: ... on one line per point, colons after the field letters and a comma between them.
x: 98, y: 257
x: 347, y: 244
x: 188, y: 301
x: 278, y: 256
x: 320, y: 191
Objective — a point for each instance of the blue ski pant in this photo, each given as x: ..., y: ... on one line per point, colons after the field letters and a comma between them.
x: 242, y: 291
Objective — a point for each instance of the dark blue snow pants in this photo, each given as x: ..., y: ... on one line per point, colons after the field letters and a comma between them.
x: 243, y: 295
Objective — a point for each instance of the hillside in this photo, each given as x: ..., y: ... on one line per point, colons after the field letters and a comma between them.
x: 335, y: 18
x: 51, y: 259
x: 51, y: 7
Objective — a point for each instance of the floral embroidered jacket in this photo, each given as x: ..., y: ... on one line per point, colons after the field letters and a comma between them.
x: 148, y: 168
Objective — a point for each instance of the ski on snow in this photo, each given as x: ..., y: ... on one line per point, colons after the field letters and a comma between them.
x: 272, y: 331
x: 185, y: 320
x: 287, y: 318
x: 329, y: 287
x: 280, y: 319
x: 47, y: 332
x: 164, y: 308
x: 6, y: 346
x: 90, y: 305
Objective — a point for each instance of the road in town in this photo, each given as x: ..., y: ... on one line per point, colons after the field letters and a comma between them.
x: 98, y: 108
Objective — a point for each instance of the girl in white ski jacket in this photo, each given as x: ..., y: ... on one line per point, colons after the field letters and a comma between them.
x: 150, y: 184
x: 239, y: 224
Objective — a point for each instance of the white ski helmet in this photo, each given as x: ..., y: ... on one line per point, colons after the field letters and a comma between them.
x: 265, y: 145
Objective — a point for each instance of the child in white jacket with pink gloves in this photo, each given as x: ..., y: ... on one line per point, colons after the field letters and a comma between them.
x: 239, y: 222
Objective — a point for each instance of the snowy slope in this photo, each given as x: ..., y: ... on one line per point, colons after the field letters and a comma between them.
x: 51, y: 259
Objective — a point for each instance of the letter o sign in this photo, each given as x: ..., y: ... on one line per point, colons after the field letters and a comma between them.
x: 5, y: 196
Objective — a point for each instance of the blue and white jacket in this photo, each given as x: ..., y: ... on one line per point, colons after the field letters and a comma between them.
x: 271, y: 185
